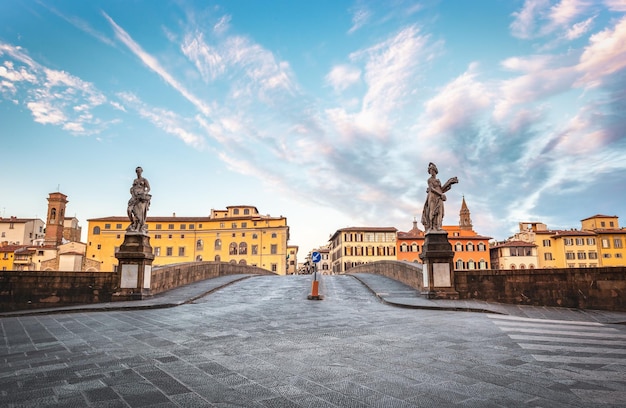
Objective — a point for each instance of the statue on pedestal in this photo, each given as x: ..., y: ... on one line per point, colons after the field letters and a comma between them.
x: 432, y: 214
x: 139, y: 203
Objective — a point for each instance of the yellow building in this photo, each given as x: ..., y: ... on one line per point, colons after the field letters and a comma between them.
x: 237, y: 234
x: 600, y: 242
x: 353, y: 246
x: 610, y: 238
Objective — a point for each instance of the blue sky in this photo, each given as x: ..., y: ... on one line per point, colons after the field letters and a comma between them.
x: 325, y: 112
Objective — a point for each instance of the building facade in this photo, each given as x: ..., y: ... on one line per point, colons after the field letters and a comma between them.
x: 600, y: 242
x: 514, y: 255
x: 354, y: 246
x: 21, y: 231
x: 471, y: 251
x: 238, y: 234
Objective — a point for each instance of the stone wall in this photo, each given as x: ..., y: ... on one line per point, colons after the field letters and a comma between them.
x: 21, y: 290
x: 172, y: 276
x: 583, y: 288
x: 409, y: 273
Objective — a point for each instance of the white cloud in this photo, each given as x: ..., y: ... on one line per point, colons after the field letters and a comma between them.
x: 360, y: 17
x: 605, y: 55
x: 343, y: 76
x: 460, y: 103
x: 524, y: 24
x: 152, y: 63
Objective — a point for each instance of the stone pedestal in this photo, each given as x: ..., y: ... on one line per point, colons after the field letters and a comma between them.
x: 438, y: 259
x: 135, y: 267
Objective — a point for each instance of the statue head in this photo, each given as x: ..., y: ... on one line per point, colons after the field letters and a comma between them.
x: 432, y: 167
x: 139, y: 170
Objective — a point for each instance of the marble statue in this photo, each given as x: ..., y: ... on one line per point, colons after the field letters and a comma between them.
x: 432, y: 214
x: 139, y: 203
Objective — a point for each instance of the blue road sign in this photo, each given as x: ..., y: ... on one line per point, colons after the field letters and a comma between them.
x: 316, y: 257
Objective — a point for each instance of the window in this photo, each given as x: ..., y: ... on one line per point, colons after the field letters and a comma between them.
x: 233, y: 225
x: 482, y: 264
x: 591, y: 241
x: 182, y: 235
x: 404, y: 247
x: 611, y: 224
x: 169, y: 236
x: 568, y: 241
x: 246, y: 211
x: 471, y: 264
x: 274, y: 249
x: 606, y: 255
x: 547, y: 243
x: 169, y: 251
x: 570, y: 255
x: 107, y: 226
x: 96, y: 230
x: 470, y: 247
x: 181, y: 251
x: 273, y: 235
x: 617, y: 242
x: 618, y: 255
x: 236, y: 211
x: 232, y: 248
x: 458, y: 247
x: 158, y: 226
x: 581, y: 255
x: 415, y: 248
x: 192, y: 226
x: 602, y: 224
x: 255, y: 236
x: 580, y: 241
x: 547, y: 256
x: 606, y: 243
x: 243, y: 248
x: 274, y: 267
x: 218, y: 244
x: 255, y: 249
x: 170, y: 226
x: 99, y: 246
x: 244, y: 225
x: 459, y: 264
x: 157, y: 251
x: 593, y: 255
x: 183, y: 226
x: 222, y: 225
x: 481, y: 247
x: 118, y: 226
x: 199, y: 244
x: 157, y: 236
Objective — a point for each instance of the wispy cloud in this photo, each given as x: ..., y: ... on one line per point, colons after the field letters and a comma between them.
x: 152, y: 63
x: 53, y: 97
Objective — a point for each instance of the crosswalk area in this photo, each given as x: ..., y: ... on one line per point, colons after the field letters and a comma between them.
x: 566, y: 341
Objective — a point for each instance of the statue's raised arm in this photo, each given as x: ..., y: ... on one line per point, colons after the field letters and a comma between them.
x: 432, y: 214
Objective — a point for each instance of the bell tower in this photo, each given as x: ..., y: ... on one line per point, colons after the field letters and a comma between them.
x: 55, y: 219
x: 465, y: 222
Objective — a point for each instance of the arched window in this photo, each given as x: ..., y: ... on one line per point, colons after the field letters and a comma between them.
x: 236, y: 211
x: 199, y: 258
x: 243, y: 248
x: 392, y: 251
x: 255, y: 236
x: 242, y: 262
x: 246, y: 211
x: 512, y: 266
x: 458, y: 247
x: 404, y: 247
x: 531, y: 266
x: 232, y: 249
x: 96, y: 230
x: 471, y: 264
x: 218, y: 244
x: 415, y: 247
x: 522, y: 266
x: 199, y: 244
x: 470, y: 247
x: 482, y: 264
x: 459, y: 264
x: 481, y: 246
x: 217, y: 258
x: 53, y: 214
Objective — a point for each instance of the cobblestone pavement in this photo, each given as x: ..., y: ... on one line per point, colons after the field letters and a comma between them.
x: 260, y: 343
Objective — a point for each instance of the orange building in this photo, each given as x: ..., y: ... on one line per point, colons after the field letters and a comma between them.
x: 471, y: 251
